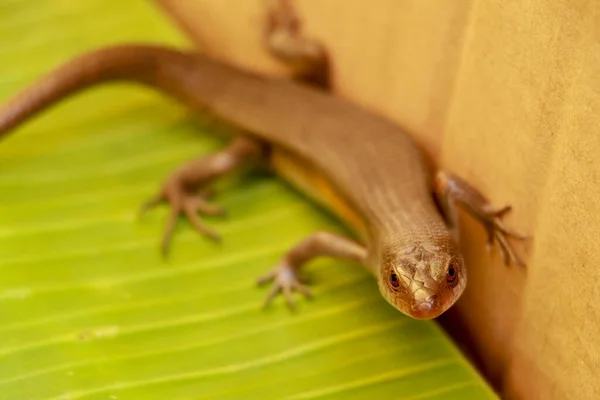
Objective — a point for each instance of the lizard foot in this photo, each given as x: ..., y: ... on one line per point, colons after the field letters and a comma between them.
x: 285, y: 279
x: 492, y: 222
x: 285, y: 276
x: 187, y: 189
x: 184, y: 203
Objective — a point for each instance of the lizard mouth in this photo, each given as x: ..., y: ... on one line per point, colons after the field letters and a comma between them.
x: 426, y: 309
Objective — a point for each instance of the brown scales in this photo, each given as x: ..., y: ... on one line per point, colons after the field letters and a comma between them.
x: 361, y: 165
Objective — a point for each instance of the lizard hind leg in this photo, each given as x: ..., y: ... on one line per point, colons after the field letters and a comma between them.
x: 186, y: 191
x: 283, y: 38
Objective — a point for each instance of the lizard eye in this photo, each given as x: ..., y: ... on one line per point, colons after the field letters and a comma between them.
x: 394, y: 280
x: 451, y: 275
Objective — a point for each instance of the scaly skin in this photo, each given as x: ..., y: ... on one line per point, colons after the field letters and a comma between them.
x: 359, y: 164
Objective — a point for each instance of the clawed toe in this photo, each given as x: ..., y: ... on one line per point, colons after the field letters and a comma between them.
x: 200, y: 205
x: 192, y: 216
x: 150, y: 204
x: 499, y: 232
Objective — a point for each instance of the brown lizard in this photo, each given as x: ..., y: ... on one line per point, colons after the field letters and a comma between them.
x: 360, y: 165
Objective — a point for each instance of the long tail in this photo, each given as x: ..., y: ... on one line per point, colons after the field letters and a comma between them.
x: 146, y: 64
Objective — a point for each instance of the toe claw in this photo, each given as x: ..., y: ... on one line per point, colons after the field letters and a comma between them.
x: 508, y: 253
x: 199, y: 204
x: 272, y: 293
x: 499, y: 226
x: 287, y: 292
x: 149, y: 204
x: 168, y: 232
x: 266, y: 278
x: 205, y: 231
x: 500, y: 212
x: 305, y: 290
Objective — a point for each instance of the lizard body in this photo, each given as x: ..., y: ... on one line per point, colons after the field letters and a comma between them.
x: 360, y: 165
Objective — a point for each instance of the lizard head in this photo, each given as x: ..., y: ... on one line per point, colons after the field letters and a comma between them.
x: 422, y: 280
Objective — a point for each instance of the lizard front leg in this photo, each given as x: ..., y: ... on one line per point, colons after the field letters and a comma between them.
x: 452, y: 191
x: 285, y: 275
x: 185, y: 189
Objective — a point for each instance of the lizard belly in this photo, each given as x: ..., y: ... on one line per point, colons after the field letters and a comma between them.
x: 306, y: 177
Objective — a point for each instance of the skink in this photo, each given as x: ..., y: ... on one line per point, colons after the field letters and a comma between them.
x: 358, y: 164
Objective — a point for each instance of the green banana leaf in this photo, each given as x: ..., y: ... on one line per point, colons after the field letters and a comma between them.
x: 89, y: 309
